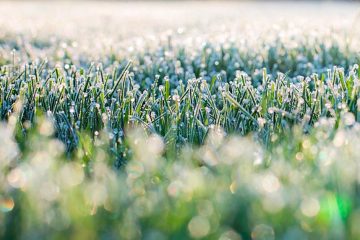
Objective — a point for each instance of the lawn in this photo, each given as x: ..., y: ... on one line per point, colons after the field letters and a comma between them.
x: 181, y: 120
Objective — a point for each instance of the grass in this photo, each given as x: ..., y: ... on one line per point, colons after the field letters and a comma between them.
x: 173, y: 141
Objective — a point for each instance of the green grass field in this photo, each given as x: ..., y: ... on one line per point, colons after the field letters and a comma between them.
x: 179, y: 121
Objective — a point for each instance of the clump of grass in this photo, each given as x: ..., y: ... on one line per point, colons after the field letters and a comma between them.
x: 93, y: 99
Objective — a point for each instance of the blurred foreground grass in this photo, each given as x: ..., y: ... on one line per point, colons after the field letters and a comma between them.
x: 228, y: 188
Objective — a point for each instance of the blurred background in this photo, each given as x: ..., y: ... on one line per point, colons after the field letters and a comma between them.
x: 106, y: 25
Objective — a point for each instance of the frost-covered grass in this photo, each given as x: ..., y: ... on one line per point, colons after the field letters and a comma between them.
x: 240, y: 130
